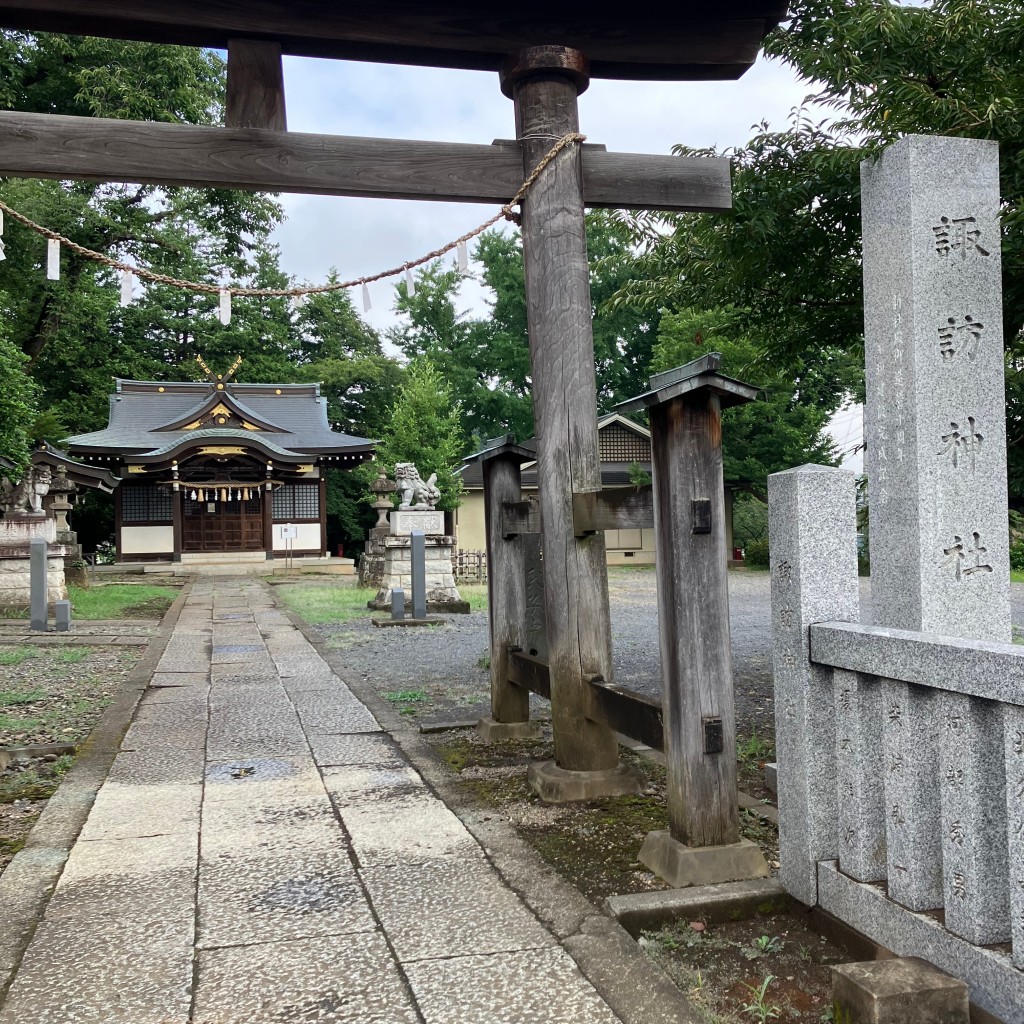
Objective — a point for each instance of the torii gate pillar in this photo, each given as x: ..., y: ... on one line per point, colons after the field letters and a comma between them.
x: 544, y: 83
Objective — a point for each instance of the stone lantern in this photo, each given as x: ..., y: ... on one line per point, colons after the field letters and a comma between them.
x: 383, y: 487
x: 371, y: 565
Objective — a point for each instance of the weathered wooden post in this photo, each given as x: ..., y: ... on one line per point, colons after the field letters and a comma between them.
x: 544, y: 82
x: 702, y: 844
x: 502, y: 464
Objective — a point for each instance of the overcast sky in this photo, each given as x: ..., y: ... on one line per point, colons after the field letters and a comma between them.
x: 364, y: 236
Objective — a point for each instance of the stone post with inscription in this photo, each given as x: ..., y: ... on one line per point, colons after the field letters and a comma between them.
x: 936, y: 463
x: 812, y: 526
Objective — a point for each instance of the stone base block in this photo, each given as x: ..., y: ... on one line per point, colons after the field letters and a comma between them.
x: 712, y: 904
x: 907, y: 990
x: 408, y: 622
x: 771, y: 777
x: 491, y: 731
x: 556, y: 785
x: 681, y: 865
x: 433, y: 607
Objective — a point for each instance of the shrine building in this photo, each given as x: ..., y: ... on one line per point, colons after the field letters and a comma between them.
x: 216, y: 470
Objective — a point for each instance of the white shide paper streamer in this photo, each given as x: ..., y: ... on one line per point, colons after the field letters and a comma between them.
x: 52, y: 259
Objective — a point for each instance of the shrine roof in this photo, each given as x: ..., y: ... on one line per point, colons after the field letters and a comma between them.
x: 79, y: 473
x: 148, y: 418
x: 688, y: 40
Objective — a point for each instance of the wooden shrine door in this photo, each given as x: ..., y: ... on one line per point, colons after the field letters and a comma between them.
x: 235, y: 525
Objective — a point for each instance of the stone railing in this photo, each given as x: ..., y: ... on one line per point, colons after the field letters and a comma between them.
x: 900, y: 759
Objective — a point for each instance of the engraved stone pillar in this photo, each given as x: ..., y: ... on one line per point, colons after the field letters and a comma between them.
x: 859, y: 772
x: 812, y: 529
x: 38, y: 585
x: 936, y: 462
x: 418, y: 572
x: 1014, y: 773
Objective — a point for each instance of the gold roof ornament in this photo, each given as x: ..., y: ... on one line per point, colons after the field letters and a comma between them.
x: 219, y: 379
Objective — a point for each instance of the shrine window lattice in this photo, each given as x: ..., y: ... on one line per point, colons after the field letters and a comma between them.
x: 621, y: 445
x: 144, y: 504
x: 297, y: 502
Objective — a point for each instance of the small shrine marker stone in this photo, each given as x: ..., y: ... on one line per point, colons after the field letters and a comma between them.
x: 935, y: 427
x: 936, y: 461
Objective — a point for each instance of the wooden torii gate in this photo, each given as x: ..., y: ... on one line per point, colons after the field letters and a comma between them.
x: 545, y: 53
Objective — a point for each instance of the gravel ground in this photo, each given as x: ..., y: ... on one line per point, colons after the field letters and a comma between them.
x: 441, y: 672
x: 50, y: 693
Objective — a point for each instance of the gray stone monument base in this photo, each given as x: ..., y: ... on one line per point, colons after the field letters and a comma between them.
x: 491, y: 731
x: 681, y: 865
x: 16, y: 536
x: 442, y: 594
x: 371, y: 565
x: 907, y: 990
x: 384, y: 623
x: 556, y: 785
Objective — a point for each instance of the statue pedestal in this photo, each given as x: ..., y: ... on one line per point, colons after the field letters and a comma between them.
x: 427, y: 520
x: 16, y: 535
x: 442, y: 594
x: 371, y: 565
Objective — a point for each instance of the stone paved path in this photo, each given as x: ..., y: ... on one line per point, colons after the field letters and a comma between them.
x: 263, y: 852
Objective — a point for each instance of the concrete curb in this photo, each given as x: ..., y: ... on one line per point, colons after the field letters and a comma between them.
x: 624, y: 976
x: 29, y: 879
x: 712, y: 904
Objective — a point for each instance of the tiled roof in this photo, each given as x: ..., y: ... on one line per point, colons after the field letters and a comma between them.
x: 138, y: 410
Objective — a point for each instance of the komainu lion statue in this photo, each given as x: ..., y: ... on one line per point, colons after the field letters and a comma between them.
x: 26, y: 497
x: 414, y: 492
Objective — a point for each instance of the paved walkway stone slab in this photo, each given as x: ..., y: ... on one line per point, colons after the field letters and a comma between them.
x: 262, y: 852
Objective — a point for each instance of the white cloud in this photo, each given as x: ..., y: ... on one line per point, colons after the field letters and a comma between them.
x: 364, y: 236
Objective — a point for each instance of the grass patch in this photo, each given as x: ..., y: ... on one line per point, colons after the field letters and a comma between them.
x: 320, y: 604
x: 121, y: 600
x: 406, y: 700
x: 70, y: 655
x: 754, y: 749
x: 18, y: 655
x: 8, y: 698
x: 476, y: 595
x: 34, y: 783
x: 12, y: 723
x: 1017, y: 575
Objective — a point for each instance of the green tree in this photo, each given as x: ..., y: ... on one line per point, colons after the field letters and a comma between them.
x: 18, y: 409
x: 424, y: 428
x: 340, y: 350
x: 760, y: 437
x: 788, y: 253
x: 73, y: 330
x: 486, y: 361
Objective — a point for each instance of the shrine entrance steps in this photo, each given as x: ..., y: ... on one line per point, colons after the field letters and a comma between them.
x: 244, y: 564
x: 263, y: 850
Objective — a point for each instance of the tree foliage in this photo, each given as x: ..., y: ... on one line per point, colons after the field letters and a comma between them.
x: 486, y: 360
x: 425, y: 428
x: 787, y: 255
x: 18, y: 409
